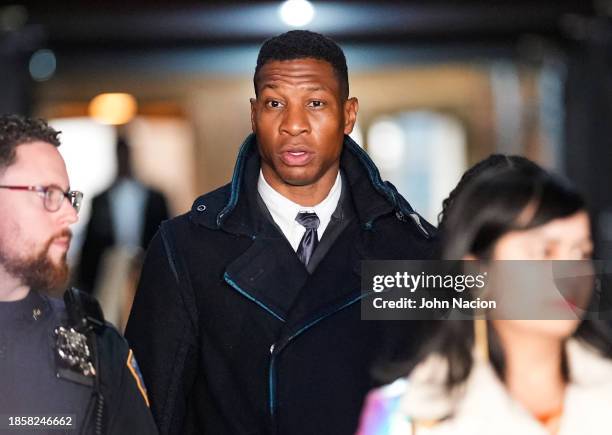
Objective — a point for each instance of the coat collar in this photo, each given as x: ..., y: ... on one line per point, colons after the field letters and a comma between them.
x: 233, y: 208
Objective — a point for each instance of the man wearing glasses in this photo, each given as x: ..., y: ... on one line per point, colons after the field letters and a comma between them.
x: 61, y: 366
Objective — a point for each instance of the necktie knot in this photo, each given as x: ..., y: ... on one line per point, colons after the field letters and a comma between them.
x: 308, y: 220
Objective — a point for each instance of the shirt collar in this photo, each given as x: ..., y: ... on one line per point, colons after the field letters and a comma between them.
x: 284, y: 211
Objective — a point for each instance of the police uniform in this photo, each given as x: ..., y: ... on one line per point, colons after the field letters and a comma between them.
x: 68, y: 370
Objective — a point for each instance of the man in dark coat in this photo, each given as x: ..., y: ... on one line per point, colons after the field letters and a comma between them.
x: 127, y: 214
x: 248, y: 307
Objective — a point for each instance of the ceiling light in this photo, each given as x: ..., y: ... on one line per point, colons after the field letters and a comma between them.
x: 113, y: 108
x: 296, y: 13
x: 42, y: 65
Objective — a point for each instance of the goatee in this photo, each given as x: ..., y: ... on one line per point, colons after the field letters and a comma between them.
x: 39, y: 272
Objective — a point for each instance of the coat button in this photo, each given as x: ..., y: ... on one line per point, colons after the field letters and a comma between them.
x: 201, y: 207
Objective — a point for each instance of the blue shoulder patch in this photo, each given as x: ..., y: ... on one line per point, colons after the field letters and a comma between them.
x: 132, y: 366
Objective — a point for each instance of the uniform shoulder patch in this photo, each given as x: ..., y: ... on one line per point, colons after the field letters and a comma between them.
x: 132, y: 366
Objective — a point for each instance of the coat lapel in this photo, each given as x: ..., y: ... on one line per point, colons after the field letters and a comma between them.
x: 269, y: 273
x: 333, y: 285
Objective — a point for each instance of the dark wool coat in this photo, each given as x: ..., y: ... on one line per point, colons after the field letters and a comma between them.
x: 234, y: 336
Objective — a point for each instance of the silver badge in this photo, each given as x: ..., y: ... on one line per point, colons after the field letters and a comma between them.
x: 73, y: 351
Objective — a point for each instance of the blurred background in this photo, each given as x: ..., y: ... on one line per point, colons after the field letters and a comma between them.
x: 441, y: 85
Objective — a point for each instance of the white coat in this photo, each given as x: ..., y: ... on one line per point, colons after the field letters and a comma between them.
x: 483, y: 406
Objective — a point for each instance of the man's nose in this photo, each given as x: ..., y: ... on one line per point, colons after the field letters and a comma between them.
x: 67, y: 214
x: 295, y: 121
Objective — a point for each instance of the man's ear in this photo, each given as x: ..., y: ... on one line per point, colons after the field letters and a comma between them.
x: 351, y: 107
x: 253, y: 113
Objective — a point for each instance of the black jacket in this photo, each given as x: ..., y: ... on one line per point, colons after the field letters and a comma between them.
x: 36, y: 381
x: 125, y: 410
x: 236, y: 337
x: 99, y: 235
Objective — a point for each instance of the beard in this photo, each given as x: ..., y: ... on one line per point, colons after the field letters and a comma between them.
x: 38, y: 272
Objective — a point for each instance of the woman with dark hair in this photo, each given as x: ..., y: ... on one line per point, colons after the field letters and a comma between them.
x: 493, y: 163
x: 540, y: 377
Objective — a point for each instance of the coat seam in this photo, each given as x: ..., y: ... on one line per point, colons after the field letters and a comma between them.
x: 236, y: 287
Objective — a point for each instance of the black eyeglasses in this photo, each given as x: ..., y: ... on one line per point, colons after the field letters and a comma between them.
x: 53, y: 196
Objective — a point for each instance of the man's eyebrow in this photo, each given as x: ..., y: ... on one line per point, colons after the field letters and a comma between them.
x: 310, y: 88
x: 316, y: 88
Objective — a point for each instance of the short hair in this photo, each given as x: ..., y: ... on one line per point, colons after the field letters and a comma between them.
x: 303, y: 44
x: 16, y: 130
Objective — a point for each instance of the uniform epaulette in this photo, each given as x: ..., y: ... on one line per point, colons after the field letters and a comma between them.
x: 84, y: 312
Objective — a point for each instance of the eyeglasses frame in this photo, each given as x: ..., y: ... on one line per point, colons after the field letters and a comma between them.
x: 73, y: 196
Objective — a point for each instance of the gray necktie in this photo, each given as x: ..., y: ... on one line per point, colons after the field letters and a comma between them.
x: 310, y: 240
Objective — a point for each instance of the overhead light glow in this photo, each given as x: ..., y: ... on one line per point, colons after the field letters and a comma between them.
x: 297, y: 13
x: 113, y: 108
x: 42, y: 65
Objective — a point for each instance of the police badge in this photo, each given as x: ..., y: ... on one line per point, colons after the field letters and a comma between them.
x: 74, y: 358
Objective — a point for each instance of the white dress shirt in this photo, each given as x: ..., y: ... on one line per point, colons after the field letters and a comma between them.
x: 284, y: 211
x: 127, y: 203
